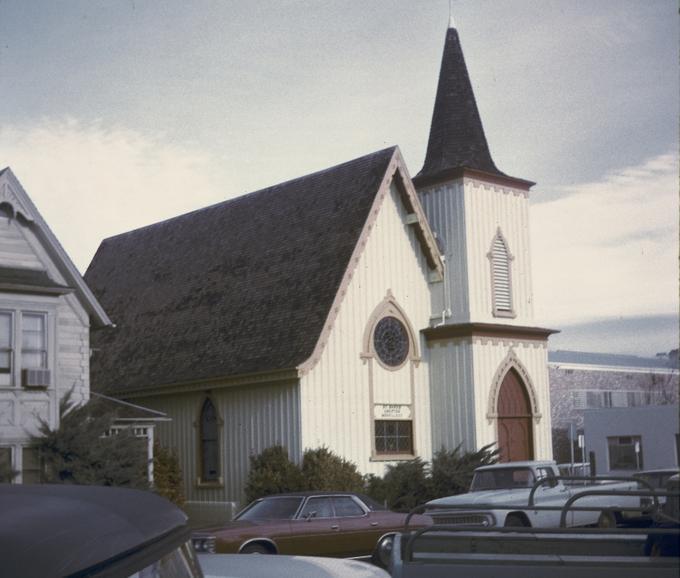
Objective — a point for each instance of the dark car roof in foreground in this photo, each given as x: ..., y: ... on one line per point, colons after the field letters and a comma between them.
x: 68, y: 530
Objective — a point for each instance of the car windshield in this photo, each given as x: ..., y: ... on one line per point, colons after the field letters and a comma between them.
x: 502, y: 478
x: 271, y: 509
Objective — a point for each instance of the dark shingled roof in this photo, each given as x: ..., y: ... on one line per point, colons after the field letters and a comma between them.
x: 239, y: 287
x: 456, y: 135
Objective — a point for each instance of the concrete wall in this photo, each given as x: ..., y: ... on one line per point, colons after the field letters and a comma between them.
x: 657, y: 427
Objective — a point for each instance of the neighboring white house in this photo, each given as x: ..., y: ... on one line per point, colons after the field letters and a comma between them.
x: 46, y: 311
x: 381, y: 316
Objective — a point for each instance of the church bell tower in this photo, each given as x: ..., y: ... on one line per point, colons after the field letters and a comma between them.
x: 488, y: 361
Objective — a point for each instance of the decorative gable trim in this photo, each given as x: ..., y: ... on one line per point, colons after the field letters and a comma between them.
x: 511, y: 361
x: 14, y: 194
x: 396, y: 172
x: 9, y: 195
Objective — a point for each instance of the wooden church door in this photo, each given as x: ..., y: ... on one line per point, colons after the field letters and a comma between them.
x: 515, y: 439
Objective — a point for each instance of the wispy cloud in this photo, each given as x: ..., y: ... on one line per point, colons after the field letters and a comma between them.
x: 90, y: 181
x: 609, y: 248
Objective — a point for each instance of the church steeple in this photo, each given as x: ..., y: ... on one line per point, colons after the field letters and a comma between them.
x: 457, y: 138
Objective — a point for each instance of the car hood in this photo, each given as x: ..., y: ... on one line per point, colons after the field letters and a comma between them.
x: 505, y: 497
x: 237, y: 565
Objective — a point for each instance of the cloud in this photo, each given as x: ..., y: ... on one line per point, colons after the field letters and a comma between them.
x: 90, y: 181
x: 609, y: 248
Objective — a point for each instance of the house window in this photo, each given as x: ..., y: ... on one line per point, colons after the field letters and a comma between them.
x: 625, y: 453
x: 23, y: 344
x: 31, y: 470
x: 6, y: 353
x: 33, y: 341
x: 209, y: 450
x: 393, y: 436
x: 500, y: 277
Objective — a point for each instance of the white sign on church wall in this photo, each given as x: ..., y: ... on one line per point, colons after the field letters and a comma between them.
x: 392, y: 411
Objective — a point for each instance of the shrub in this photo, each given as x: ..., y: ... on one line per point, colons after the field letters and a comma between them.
x: 452, y: 471
x: 167, y: 474
x: 325, y: 471
x: 272, y: 472
x: 407, y: 485
x: 376, y: 488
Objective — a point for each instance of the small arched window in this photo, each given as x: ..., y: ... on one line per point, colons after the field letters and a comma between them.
x: 501, y: 278
x: 209, y: 443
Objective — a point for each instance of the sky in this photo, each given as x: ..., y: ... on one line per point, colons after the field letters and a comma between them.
x: 117, y: 114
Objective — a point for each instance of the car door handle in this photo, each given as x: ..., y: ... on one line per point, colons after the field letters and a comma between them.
x: 335, y: 527
x: 374, y: 523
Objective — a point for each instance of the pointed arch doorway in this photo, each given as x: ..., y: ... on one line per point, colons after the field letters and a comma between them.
x: 515, y: 432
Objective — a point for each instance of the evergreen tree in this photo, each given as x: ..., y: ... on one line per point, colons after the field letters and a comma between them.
x: 83, y: 449
x: 452, y: 471
x: 167, y: 474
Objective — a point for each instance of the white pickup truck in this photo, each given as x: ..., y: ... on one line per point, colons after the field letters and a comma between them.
x: 531, y: 494
x: 627, y: 551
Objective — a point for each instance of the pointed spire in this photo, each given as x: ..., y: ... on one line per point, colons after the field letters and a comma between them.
x: 457, y: 138
x: 452, y: 22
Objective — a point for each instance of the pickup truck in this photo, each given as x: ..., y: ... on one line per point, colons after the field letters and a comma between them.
x: 514, y: 552
x: 531, y: 494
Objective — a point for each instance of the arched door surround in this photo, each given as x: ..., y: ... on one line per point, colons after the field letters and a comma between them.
x: 512, y: 404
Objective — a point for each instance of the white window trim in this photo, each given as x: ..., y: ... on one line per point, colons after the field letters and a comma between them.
x: 17, y: 311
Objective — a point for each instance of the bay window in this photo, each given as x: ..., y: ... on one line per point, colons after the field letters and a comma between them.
x: 23, y: 345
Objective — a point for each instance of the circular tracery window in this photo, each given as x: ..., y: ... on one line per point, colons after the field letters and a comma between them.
x: 390, y: 340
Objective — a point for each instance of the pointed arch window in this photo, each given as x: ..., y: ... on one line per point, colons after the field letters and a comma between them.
x: 209, y: 443
x: 501, y: 277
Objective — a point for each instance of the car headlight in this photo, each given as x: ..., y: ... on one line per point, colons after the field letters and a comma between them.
x: 204, y: 544
x: 383, y: 550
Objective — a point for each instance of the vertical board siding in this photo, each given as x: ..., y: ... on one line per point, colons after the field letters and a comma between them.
x: 467, y: 215
x: 445, y: 209
x: 452, y: 396
x: 253, y: 417
x: 335, y: 396
x: 492, y: 207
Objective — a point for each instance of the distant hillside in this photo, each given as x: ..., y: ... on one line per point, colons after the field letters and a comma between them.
x: 637, y: 336
x: 614, y: 360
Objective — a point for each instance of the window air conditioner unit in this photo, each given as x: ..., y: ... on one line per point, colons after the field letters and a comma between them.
x: 36, y: 377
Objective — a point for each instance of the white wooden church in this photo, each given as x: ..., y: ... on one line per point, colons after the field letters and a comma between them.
x: 382, y: 316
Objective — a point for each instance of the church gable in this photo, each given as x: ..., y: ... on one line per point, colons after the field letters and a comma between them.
x: 241, y: 287
x: 369, y: 361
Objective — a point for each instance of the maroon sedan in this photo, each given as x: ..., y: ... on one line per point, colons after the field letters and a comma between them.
x: 338, y: 524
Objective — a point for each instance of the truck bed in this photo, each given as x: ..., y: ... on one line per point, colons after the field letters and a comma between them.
x: 438, y: 552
